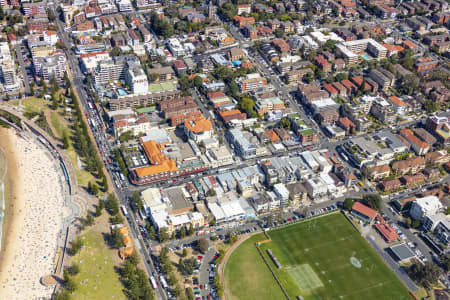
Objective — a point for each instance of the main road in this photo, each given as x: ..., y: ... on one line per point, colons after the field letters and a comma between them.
x: 77, y: 83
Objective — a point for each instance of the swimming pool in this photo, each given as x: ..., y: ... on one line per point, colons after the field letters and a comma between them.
x: 366, y: 57
x: 121, y: 92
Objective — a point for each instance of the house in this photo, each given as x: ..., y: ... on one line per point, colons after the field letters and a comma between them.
x: 409, y: 180
x: 425, y: 64
x: 378, y: 172
x: 390, y: 185
x: 387, y: 232
x: 404, y: 204
x: 398, y: 105
x: 363, y: 212
x: 198, y: 128
x: 281, y: 46
x: 346, y: 124
x: 236, y: 54
x: 339, y: 64
x: 244, y: 8
x: 351, y: 88
x: 328, y: 116
x: 249, y: 31
x: 323, y: 63
x: 331, y: 90
x: 425, y: 136
x: 179, y: 67
x: 411, y: 165
x: 242, y: 21
x: 438, y: 157
x: 417, y: 145
x: 273, y: 136
x: 425, y: 207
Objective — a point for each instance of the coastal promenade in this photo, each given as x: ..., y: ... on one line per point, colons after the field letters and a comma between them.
x: 73, y: 200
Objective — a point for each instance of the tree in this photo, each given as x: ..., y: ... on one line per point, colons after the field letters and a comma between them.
x: 173, y: 236
x: 95, y: 190
x: 232, y: 238
x: 76, y: 246
x: 70, y: 285
x: 152, y: 233
x: 198, y: 81
x: 203, y: 245
x: 182, y: 232
x: 348, y: 203
x: 117, y: 238
x: 184, y: 254
x: 154, y: 76
x: 62, y: 295
x: 373, y: 201
x: 163, y: 235
x: 116, y: 51
x: 431, y: 106
x: 74, y: 269
x: 191, y: 230
x: 211, y: 192
x: 134, y: 258
x: 98, y: 211
x: 408, y: 222
x: 20, y: 95
x: 89, y: 219
x: 112, y: 205
x: 279, y: 33
x: 285, y: 123
x: 247, y: 104
x: 65, y: 140
x: 227, y: 11
x: 137, y: 200
x: 445, y: 261
x: 425, y: 274
x: 104, y: 183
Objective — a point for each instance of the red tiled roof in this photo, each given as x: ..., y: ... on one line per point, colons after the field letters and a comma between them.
x: 387, y: 232
x: 330, y: 88
x: 213, y: 95
x: 365, y: 210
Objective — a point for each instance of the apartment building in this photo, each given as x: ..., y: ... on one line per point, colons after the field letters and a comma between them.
x: 251, y: 82
x: 242, y: 146
x: 136, y: 78
x: 49, y: 66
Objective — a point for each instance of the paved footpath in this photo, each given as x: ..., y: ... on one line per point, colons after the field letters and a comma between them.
x: 394, y: 266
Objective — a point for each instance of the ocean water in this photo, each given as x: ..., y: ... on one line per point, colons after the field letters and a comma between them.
x: 3, y: 169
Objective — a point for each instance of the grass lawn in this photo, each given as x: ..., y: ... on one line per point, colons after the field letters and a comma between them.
x: 97, y: 278
x: 60, y: 125
x: 247, y: 276
x: 325, y: 258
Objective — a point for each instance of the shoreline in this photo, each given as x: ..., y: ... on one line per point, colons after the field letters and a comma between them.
x: 9, y: 192
x: 34, y: 217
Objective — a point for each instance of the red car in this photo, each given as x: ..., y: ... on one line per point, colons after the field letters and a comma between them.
x: 201, y: 286
x: 289, y: 219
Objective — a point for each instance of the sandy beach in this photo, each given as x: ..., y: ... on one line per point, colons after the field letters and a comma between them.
x: 35, y: 210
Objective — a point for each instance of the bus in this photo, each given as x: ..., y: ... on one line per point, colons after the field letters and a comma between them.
x: 343, y: 155
x: 153, y: 282
x: 124, y: 210
x: 163, y: 282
